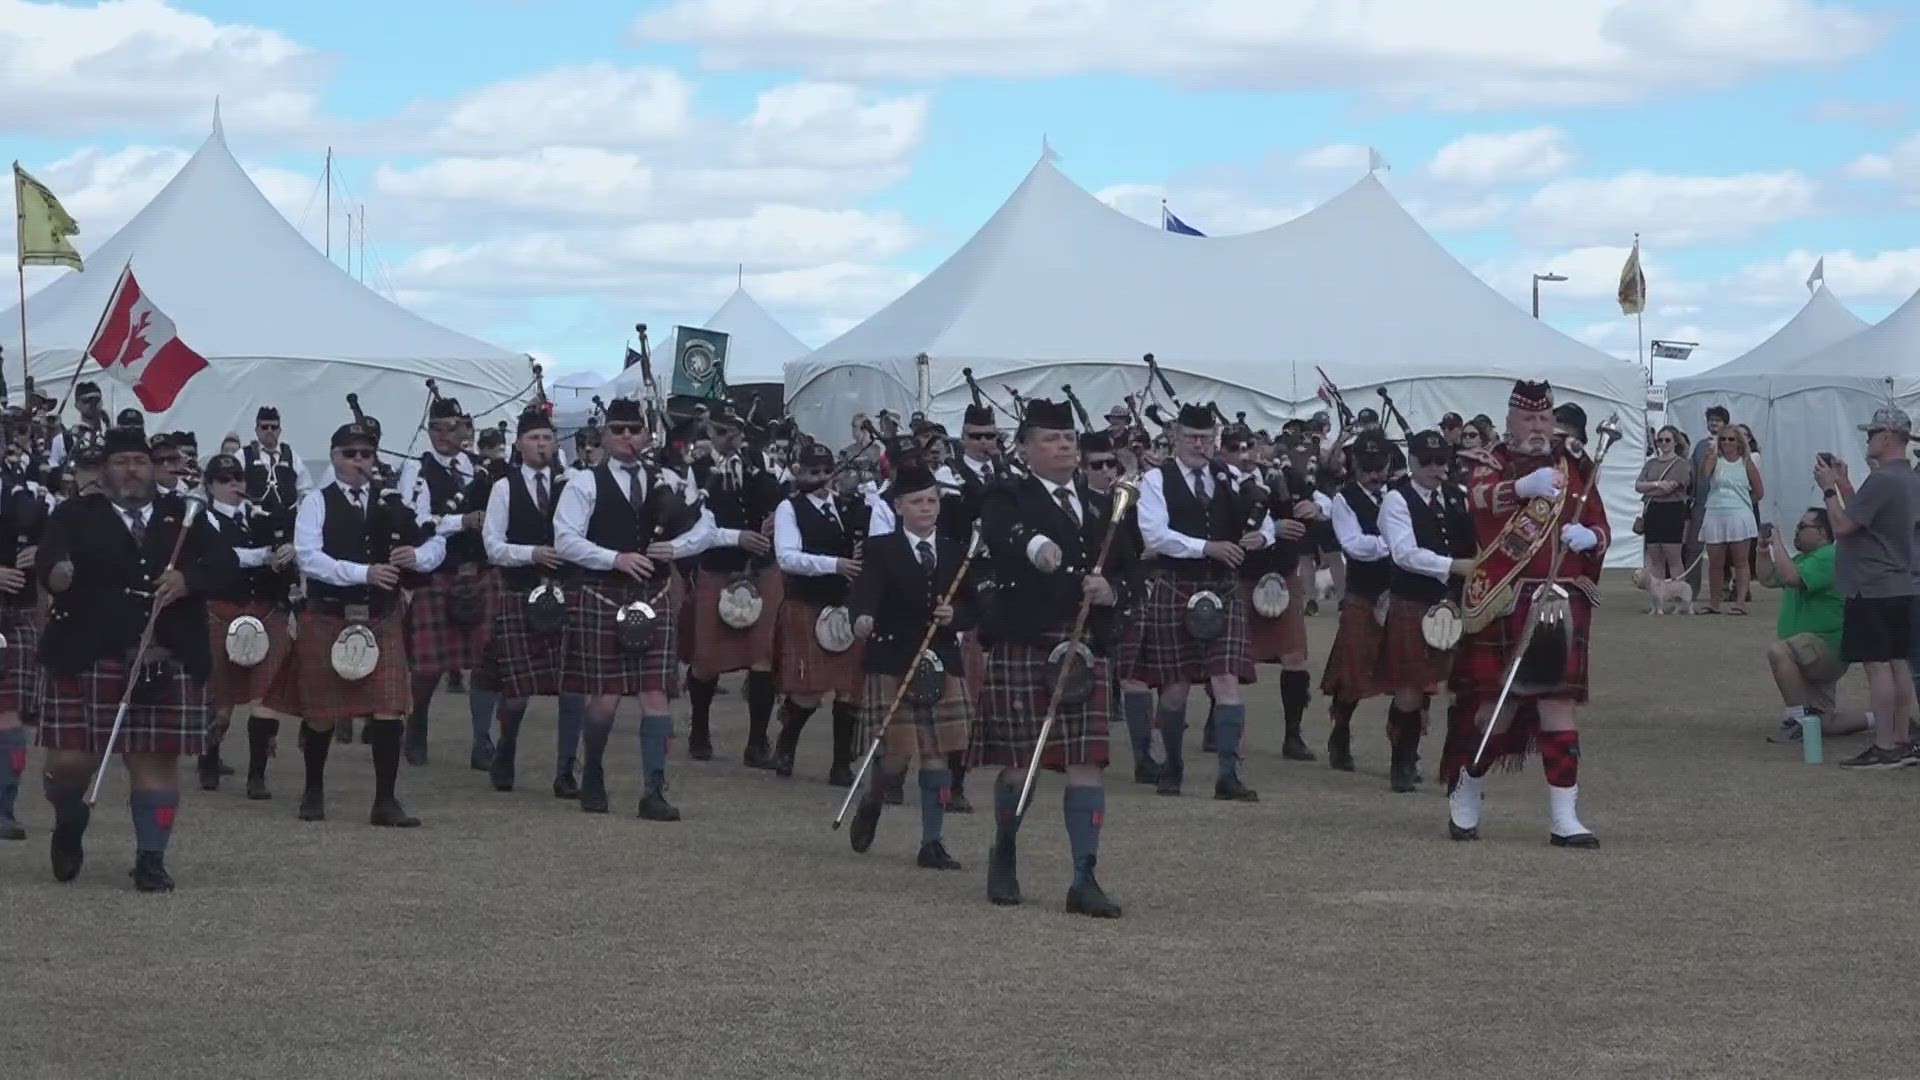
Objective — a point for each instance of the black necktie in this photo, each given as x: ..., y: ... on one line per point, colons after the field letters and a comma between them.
x: 540, y: 490
x: 358, y: 499
x: 1200, y: 484
x: 137, y: 527
x: 636, y: 492
x: 1065, y: 499
x: 927, y: 560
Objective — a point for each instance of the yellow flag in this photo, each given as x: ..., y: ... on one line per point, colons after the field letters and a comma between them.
x: 44, y: 224
x: 1633, y: 284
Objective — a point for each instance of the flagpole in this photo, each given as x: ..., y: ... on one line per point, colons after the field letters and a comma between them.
x: 20, y: 271
x: 80, y: 364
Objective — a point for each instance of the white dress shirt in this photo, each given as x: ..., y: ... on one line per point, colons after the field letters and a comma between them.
x: 880, y: 519
x: 493, y: 531
x: 1396, y: 526
x: 303, y: 481
x: 1354, y: 542
x: 1158, y: 533
x: 789, y: 553
x: 415, y: 488
x: 575, y: 510
x: 309, y: 537
x: 250, y: 558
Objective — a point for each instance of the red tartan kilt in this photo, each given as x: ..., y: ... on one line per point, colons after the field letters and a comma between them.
x: 1353, y: 667
x: 1482, y: 662
x: 804, y: 668
x: 714, y: 648
x: 1269, y: 641
x: 1410, y: 664
x: 1168, y: 654
x: 518, y: 663
x: 230, y: 685
x: 593, y: 661
x: 1014, y: 706
x: 435, y: 645
x: 76, y: 713
x: 306, y: 687
x: 20, y: 676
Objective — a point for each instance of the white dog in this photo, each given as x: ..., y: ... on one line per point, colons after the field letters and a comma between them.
x: 1665, y: 596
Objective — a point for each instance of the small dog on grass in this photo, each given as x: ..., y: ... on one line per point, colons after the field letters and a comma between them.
x: 1665, y: 596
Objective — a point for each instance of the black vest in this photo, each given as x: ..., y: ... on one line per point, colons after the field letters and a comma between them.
x: 1366, y: 580
x: 23, y: 518
x: 527, y: 526
x: 243, y: 530
x: 615, y: 524
x: 352, y: 535
x: 1215, y: 520
x: 449, y: 496
x: 743, y: 508
x: 820, y: 536
x: 1448, y: 532
x: 281, y: 477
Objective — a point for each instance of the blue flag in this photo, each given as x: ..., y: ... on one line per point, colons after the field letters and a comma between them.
x: 1174, y: 225
x: 632, y: 358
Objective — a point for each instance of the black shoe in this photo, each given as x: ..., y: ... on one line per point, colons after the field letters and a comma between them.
x: 1003, y: 886
x: 1339, y: 757
x: 313, y: 805
x: 501, y: 773
x: 565, y: 786
x: 1294, y: 748
x: 782, y: 764
x: 956, y: 801
x: 701, y: 750
x: 150, y: 873
x: 1169, y: 783
x: 257, y: 789
x: 1457, y: 833
x: 1401, y: 778
x: 343, y: 731
x: 415, y: 756
x: 1585, y: 840
x: 11, y: 829
x: 456, y: 683
x: 389, y: 814
x: 366, y: 733
x: 67, y: 853
x: 1092, y: 901
x: 481, y: 758
x: 226, y: 769
x: 933, y: 856
x: 209, y: 773
x: 593, y: 797
x: 896, y: 793
x: 1146, y: 771
x: 757, y: 757
x: 1230, y: 789
x: 866, y: 821
x: 840, y: 775
x: 657, y: 808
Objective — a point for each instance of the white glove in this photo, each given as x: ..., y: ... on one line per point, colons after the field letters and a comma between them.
x: 1578, y: 537
x: 1542, y: 483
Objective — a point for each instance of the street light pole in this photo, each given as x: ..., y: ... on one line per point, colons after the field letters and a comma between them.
x: 1537, y: 279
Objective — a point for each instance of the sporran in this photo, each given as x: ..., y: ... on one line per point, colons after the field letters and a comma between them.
x: 356, y: 651
x: 247, y: 643
x: 1441, y: 626
x: 740, y: 604
x: 929, y: 683
x: 1206, y: 616
x: 833, y: 629
x: 1076, y: 689
x: 1271, y: 597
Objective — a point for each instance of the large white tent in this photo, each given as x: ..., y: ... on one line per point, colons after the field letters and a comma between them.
x: 758, y: 347
x: 1784, y: 389
x: 278, y: 322
x: 1057, y: 287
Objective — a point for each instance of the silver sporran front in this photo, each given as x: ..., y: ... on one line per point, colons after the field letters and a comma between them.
x: 740, y: 603
x: 1206, y: 616
x: 1441, y: 626
x: 356, y: 652
x: 833, y: 629
x: 247, y: 642
x: 1271, y: 598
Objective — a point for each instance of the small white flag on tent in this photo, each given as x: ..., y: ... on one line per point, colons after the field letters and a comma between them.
x: 1819, y: 275
x: 1376, y: 163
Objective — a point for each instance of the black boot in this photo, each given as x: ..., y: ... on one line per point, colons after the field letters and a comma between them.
x: 866, y: 816
x: 792, y: 722
x: 564, y: 785
x: 934, y: 856
x: 1003, y: 884
x: 593, y: 789
x: 699, y: 728
x: 209, y: 769
x: 760, y: 699
x: 956, y: 800
x: 846, y: 729
x: 414, y: 748
x: 314, y: 746
x: 67, y: 852
x: 150, y: 873
x: 500, y: 772
x: 1090, y: 899
x: 260, y: 734
x: 1296, y: 693
x: 1340, y: 739
x: 387, y: 813
x: 1402, y: 774
x: 1170, y: 778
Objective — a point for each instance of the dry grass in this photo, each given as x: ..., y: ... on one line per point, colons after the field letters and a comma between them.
x: 1748, y: 917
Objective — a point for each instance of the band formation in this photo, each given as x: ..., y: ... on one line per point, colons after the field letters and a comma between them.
x: 971, y: 603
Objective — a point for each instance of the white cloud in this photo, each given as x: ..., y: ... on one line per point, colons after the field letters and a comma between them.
x: 1491, y: 53
x: 1871, y: 113
x: 1592, y: 273
x: 1497, y: 157
x: 595, y: 104
x: 1900, y: 164
x: 1853, y: 276
x: 832, y: 126
x: 1335, y: 156
x: 1673, y: 210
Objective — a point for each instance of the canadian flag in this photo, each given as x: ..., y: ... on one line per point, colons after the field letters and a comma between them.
x: 137, y: 344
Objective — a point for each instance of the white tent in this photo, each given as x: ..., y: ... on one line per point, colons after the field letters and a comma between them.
x: 1057, y: 287
x: 758, y: 347
x: 278, y: 322
x: 575, y: 389
x: 1794, y: 361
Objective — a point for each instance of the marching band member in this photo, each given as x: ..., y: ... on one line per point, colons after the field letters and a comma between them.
x: 108, y: 562
x: 736, y: 573
x: 169, y: 465
x: 449, y: 614
x: 275, y: 474
x: 980, y: 465
x: 354, y: 541
x: 621, y: 526
x: 24, y: 507
x: 1429, y: 535
x: 89, y: 431
x: 816, y: 542
x: 1522, y: 506
x: 1045, y: 530
x: 522, y: 660
x: 260, y: 593
x: 1351, y: 675
x: 1189, y: 520
x: 904, y: 580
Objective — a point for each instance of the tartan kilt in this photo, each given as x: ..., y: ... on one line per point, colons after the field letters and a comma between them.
x: 592, y: 661
x: 76, y: 712
x: 230, y: 685
x: 1168, y: 654
x: 518, y: 663
x: 1269, y: 641
x: 435, y: 645
x: 1482, y: 662
x: 1353, y: 666
x: 973, y: 658
x: 1409, y: 663
x: 1015, y: 704
x: 807, y: 670
x: 939, y: 729
x: 307, y: 688
x: 20, y: 675
x: 712, y: 647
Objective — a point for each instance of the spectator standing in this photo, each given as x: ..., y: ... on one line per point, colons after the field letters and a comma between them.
x: 1664, y: 484
x: 1730, y: 487
x: 1805, y: 657
x: 1717, y: 418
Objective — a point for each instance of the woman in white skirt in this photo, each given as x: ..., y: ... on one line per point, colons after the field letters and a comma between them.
x: 1731, y: 485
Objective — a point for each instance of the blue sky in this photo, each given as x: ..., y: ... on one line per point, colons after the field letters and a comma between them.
x: 543, y: 174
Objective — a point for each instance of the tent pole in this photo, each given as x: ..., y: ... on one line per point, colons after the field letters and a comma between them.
x: 26, y: 358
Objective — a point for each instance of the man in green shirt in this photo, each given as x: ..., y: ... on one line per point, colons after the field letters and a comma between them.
x: 1806, y: 659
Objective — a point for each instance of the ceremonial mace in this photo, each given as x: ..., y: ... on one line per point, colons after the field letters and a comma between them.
x: 1549, y: 606
x: 906, y: 681
x: 1123, y: 494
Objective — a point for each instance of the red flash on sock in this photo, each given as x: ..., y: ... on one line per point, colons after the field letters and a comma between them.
x: 163, y: 816
x: 945, y: 795
x: 1098, y: 817
x: 1560, y: 757
x: 17, y: 759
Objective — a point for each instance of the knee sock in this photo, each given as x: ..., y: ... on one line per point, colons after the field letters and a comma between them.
x: 957, y: 765
x: 760, y: 696
x: 1296, y: 693
x: 700, y: 694
x: 594, y: 735
x: 1404, y: 725
x: 1006, y: 806
x: 1084, y: 807
x: 655, y: 733
x: 423, y: 688
x: 935, y: 787
x: 314, y: 747
x: 480, y: 707
x: 153, y: 814
x: 846, y: 728
x: 69, y: 799
x: 1137, y: 706
x: 261, y: 731
x: 1560, y: 757
x: 573, y: 708
x: 791, y: 724
x: 1173, y: 734
x: 1229, y: 722
x: 512, y: 715
x: 384, y: 735
x: 13, y: 762
x: 1341, y: 732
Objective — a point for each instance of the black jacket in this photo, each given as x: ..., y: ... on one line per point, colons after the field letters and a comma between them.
x: 1028, y: 607
x: 896, y: 591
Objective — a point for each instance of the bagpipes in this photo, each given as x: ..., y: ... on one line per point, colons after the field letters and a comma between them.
x: 1330, y: 394
x: 1079, y: 410
x: 390, y: 517
x: 1389, y: 409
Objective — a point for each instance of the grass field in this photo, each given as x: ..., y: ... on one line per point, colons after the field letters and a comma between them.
x: 1749, y: 916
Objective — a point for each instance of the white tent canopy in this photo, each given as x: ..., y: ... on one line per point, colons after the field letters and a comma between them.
x: 278, y: 322
x: 1797, y: 403
x: 758, y: 347
x: 1057, y: 287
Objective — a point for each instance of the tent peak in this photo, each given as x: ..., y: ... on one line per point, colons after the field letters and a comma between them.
x: 219, y: 131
